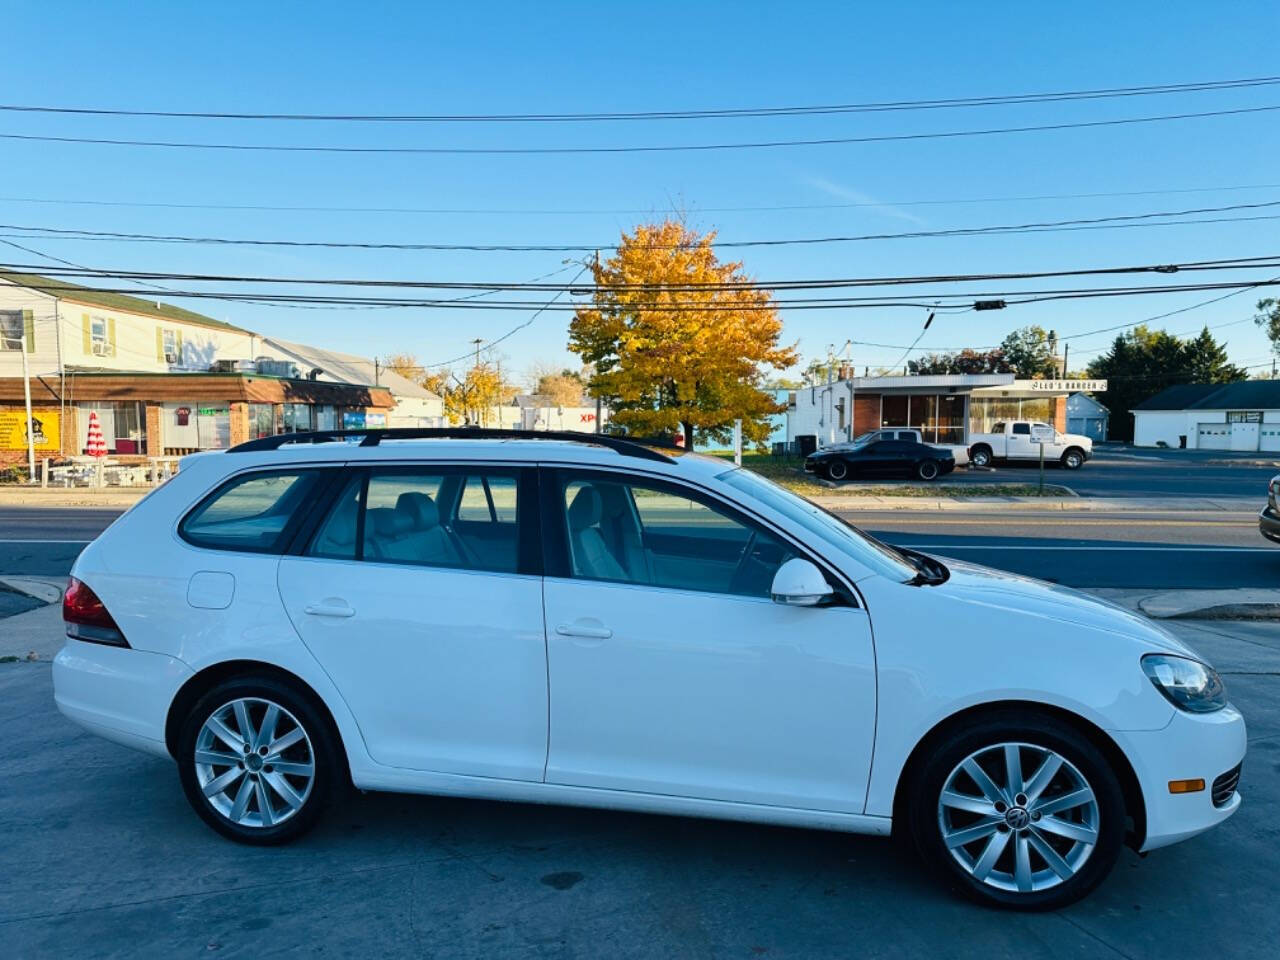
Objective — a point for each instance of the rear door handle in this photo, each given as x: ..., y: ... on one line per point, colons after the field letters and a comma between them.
x: 330, y: 607
x: 580, y: 628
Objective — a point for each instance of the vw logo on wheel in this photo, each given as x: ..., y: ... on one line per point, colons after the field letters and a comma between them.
x: 1017, y: 818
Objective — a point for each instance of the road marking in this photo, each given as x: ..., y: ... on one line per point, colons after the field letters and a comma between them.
x: 944, y: 547
x: 46, y: 541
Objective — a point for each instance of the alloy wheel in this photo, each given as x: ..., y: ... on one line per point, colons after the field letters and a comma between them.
x: 254, y: 762
x: 1017, y: 832
x: 928, y: 470
x: 837, y: 470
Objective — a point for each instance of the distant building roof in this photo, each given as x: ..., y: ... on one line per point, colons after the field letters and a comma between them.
x: 1245, y: 395
x: 346, y: 367
x: 64, y: 290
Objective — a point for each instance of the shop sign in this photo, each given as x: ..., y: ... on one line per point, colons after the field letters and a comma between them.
x: 1061, y: 386
x: 44, y: 430
x: 353, y: 420
x: 375, y: 420
x: 214, y: 411
x: 183, y: 416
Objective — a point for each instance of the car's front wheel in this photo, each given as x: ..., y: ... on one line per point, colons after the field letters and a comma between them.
x: 837, y: 470
x: 927, y: 470
x: 257, y: 761
x: 1018, y: 811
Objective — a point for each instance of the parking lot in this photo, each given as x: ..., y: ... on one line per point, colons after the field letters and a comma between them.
x: 103, y: 858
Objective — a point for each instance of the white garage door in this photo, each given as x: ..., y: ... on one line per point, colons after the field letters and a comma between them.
x: 1214, y: 436
x: 1270, y: 437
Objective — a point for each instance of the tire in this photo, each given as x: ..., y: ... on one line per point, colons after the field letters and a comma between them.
x: 1073, y: 458
x: 980, y: 456
x: 837, y: 470
x: 294, y: 800
x: 927, y: 470
x: 1004, y: 865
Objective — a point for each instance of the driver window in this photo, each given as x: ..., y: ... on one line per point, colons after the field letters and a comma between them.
x: 658, y: 536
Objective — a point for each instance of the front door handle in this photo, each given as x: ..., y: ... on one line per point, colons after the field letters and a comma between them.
x: 591, y: 630
x: 330, y: 607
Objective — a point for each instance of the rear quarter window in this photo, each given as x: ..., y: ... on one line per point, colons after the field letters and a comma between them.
x: 255, y: 512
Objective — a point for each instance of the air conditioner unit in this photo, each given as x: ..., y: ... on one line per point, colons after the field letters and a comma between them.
x: 270, y: 367
x: 170, y: 358
x: 101, y: 349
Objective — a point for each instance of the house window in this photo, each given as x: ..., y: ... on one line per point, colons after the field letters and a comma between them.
x: 98, y: 337
x: 12, y: 330
x: 170, y: 341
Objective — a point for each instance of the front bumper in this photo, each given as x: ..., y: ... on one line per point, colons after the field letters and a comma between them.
x: 1269, y: 524
x: 1193, y: 746
x: 118, y: 693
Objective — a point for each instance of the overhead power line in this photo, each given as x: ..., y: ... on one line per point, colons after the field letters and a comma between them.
x: 716, y: 113
x: 636, y: 211
x: 634, y: 148
x: 34, y: 232
x: 921, y: 300
x: 80, y: 272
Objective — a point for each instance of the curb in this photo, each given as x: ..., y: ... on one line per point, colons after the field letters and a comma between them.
x: 851, y: 503
x: 1238, y: 604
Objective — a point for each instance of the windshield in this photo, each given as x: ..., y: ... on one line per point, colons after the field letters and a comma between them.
x: 826, y: 526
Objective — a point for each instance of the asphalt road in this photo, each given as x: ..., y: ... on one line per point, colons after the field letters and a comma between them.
x: 1126, y: 472
x: 102, y: 857
x: 1207, y: 549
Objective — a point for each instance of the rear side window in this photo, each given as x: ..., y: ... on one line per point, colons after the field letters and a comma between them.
x: 254, y: 513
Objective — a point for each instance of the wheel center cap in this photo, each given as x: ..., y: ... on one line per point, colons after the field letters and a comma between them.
x: 253, y: 762
x: 1017, y: 818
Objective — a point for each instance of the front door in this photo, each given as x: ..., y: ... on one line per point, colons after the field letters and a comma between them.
x: 671, y: 670
x: 430, y: 623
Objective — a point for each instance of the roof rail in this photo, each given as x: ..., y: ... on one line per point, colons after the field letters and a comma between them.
x: 371, y: 438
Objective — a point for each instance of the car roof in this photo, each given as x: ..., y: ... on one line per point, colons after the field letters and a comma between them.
x: 454, y: 450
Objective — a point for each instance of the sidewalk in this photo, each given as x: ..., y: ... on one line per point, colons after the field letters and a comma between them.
x: 37, y: 634
x: 13, y: 495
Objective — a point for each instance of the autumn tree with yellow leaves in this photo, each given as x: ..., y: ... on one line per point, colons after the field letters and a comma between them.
x: 678, y: 341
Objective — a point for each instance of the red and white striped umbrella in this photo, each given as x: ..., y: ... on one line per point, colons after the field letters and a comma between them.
x: 96, y: 446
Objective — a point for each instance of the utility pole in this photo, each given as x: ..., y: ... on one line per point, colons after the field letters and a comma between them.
x: 595, y: 275
x: 377, y: 372
x: 1066, y: 352
x: 477, y: 341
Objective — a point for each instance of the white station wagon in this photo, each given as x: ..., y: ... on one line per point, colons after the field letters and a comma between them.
x: 581, y: 619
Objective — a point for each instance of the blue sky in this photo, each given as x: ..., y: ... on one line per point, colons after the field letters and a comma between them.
x: 521, y: 58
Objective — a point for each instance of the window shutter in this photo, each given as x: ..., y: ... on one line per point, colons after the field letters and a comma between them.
x: 29, y: 330
x: 177, y: 336
x: 160, y: 344
x: 87, y: 332
x: 111, y: 336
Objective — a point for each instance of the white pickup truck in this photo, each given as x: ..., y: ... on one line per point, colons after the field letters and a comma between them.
x: 1020, y: 440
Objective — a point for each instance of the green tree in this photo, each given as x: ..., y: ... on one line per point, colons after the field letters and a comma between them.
x: 1268, y: 318
x: 1142, y: 362
x: 966, y: 361
x: 1029, y: 352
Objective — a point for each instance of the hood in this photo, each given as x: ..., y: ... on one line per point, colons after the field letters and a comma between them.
x: 1079, y: 440
x: 983, y: 586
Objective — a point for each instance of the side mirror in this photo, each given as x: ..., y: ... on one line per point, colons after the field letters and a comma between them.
x: 799, y: 583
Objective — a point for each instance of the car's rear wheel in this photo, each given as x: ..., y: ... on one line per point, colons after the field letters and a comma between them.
x: 1019, y: 811
x: 1073, y: 459
x: 927, y: 470
x: 837, y: 470
x: 980, y: 456
x: 257, y: 761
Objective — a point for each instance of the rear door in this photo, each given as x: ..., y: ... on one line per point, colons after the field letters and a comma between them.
x: 430, y: 627
x: 1020, y: 446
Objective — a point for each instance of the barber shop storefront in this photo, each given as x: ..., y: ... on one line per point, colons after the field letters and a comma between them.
x: 945, y: 408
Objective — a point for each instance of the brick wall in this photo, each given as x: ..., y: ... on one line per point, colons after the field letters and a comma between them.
x: 1060, y: 414
x: 239, y: 423
x: 155, y: 430
x: 866, y: 412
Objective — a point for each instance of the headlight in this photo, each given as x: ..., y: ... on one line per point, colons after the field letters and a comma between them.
x: 1188, y: 684
x: 1273, y: 491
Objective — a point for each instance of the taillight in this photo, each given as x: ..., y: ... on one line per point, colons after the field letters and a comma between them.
x: 87, y: 618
